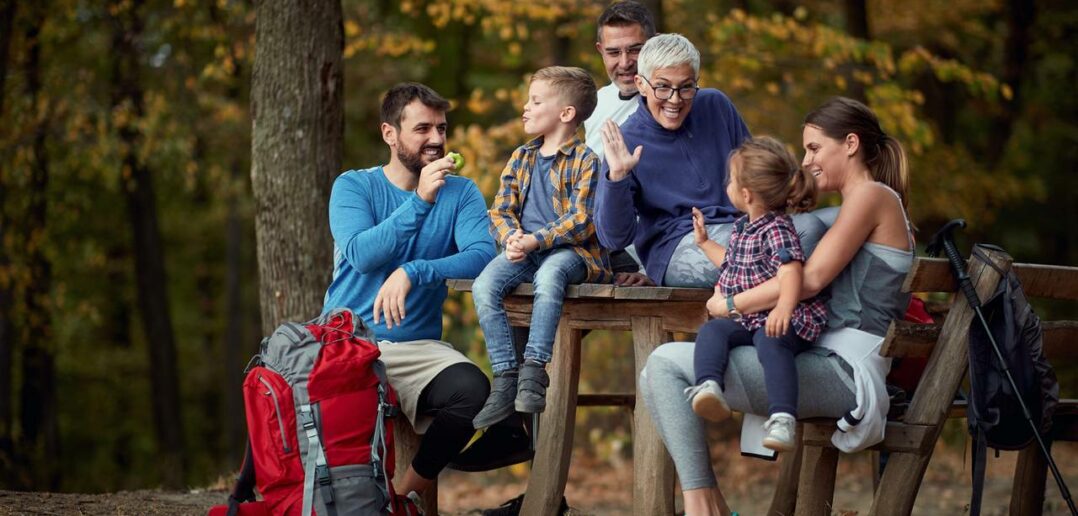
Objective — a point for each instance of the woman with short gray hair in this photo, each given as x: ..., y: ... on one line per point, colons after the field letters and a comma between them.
x: 668, y: 158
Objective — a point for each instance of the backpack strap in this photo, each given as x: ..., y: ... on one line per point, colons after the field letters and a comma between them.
x: 379, y: 449
x: 979, y: 460
x: 315, y: 468
x: 244, y: 489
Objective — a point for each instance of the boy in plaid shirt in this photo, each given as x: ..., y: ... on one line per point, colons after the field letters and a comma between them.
x: 542, y: 218
x: 765, y: 180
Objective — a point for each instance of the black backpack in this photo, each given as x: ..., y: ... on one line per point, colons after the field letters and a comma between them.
x: 994, y: 414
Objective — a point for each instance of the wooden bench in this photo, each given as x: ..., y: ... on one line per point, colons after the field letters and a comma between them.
x: 652, y: 314
x: 808, y: 476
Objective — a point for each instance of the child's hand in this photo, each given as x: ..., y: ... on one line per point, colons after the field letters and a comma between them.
x: 778, y: 321
x: 514, y: 248
x: 699, y: 229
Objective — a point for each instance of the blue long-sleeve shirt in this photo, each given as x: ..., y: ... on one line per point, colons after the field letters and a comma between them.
x: 678, y: 170
x: 378, y: 227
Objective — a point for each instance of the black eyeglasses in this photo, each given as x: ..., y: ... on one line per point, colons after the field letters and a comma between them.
x: 667, y: 92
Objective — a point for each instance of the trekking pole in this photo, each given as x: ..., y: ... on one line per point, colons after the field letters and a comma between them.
x: 944, y: 240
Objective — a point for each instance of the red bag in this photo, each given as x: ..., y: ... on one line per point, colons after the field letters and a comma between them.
x: 906, y: 372
x: 318, y: 417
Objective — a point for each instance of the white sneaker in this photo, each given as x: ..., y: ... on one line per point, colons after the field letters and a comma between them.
x: 707, y: 401
x: 781, y: 429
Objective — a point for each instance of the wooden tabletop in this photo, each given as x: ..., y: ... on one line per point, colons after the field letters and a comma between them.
x: 607, y: 291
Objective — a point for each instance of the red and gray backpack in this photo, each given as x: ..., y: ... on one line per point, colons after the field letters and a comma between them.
x: 319, y: 413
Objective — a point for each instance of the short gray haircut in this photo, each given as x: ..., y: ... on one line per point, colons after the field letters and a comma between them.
x: 666, y: 51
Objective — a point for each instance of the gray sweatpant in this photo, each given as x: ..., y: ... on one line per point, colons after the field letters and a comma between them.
x: 825, y: 389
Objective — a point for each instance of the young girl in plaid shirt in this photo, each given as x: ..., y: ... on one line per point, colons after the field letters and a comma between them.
x: 765, y: 180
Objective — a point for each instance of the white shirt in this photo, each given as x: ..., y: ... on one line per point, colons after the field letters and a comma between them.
x: 610, y: 106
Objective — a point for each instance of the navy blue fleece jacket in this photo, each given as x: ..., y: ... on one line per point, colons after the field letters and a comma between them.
x: 679, y: 169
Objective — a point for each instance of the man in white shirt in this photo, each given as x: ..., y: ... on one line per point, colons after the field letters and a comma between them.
x: 623, y: 29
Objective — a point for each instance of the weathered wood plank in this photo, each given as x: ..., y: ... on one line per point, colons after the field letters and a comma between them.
x: 653, y: 469
x: 625, y: 399
x: 1048, y: 281
x: 684, y: 316
x: 816, y: 488
x: 1030, y: 474
x: 946, y: 367
x: 550, y: 467
x: 906, y: 339
x: 784, y: 501
x: 899, y: 437
x: 605, y: 291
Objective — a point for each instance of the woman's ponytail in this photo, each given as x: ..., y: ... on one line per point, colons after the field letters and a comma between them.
x: 891, y: 168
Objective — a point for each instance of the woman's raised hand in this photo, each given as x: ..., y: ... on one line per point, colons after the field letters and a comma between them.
x: 617, y: 155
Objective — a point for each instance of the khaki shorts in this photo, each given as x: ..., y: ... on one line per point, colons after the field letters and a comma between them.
x: 411, y: 365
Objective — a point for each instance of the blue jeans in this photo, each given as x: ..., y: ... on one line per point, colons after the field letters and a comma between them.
x: 549, y: 272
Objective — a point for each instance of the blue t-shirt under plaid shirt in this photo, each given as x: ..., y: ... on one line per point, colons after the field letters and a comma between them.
x: 756, y: 251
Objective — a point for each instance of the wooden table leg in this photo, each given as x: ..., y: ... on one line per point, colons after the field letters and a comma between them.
x: 1030, y: 476
x: 406, y: 443
x: 653, y: 470
x: 784, y: 500
x: 550, y: 468
x: 816, y: 488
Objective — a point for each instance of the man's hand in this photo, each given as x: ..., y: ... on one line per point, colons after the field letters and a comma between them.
x: 778, y: 321
x: 617, y: 155
x: 390, y: 299
x: 432, y: 178
x: 699, y: 229
x: 632, y: 279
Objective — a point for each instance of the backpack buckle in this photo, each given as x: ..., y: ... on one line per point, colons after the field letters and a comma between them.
x: 325, y: 483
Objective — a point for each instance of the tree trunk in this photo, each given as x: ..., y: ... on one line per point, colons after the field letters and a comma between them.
x: 856, y: 26
x: 40, y: 429
x: 297, y: 140
x: 857, y: 19
x: 1020, y: 17
x: 656, y: 8
x: 7, y: 330
x: 150, y: 278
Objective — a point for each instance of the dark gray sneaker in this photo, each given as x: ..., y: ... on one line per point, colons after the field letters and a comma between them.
x: 531, y: 390
x: 499, y: 404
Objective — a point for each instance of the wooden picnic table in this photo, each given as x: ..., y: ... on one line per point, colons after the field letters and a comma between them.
x: 652, y: 314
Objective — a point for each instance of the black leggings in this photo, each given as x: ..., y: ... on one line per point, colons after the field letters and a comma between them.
x: 452, y: 398
x: 776, y: 354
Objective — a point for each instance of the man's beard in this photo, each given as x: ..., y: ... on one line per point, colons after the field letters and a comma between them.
x: 414, y: 161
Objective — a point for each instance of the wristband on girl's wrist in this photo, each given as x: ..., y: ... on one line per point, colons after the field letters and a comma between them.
x: 731, y: 310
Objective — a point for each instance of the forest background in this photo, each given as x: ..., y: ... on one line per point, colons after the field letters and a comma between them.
x: 129, y: 277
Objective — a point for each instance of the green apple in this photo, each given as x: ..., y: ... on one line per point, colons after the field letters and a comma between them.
x: 458, y: 160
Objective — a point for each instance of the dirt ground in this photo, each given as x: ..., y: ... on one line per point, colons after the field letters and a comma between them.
x: 604, y: 487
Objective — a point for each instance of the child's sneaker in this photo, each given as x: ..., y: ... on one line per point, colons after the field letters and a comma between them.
x: 707, y: 401
x: 499, y: 404
x: 781, y: 431
x: 531, y: 390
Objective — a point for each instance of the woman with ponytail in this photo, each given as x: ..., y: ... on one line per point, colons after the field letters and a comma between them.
x: 862, y: 259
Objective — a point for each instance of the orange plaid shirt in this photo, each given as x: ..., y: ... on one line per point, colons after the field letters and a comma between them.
x: 574, y: 174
